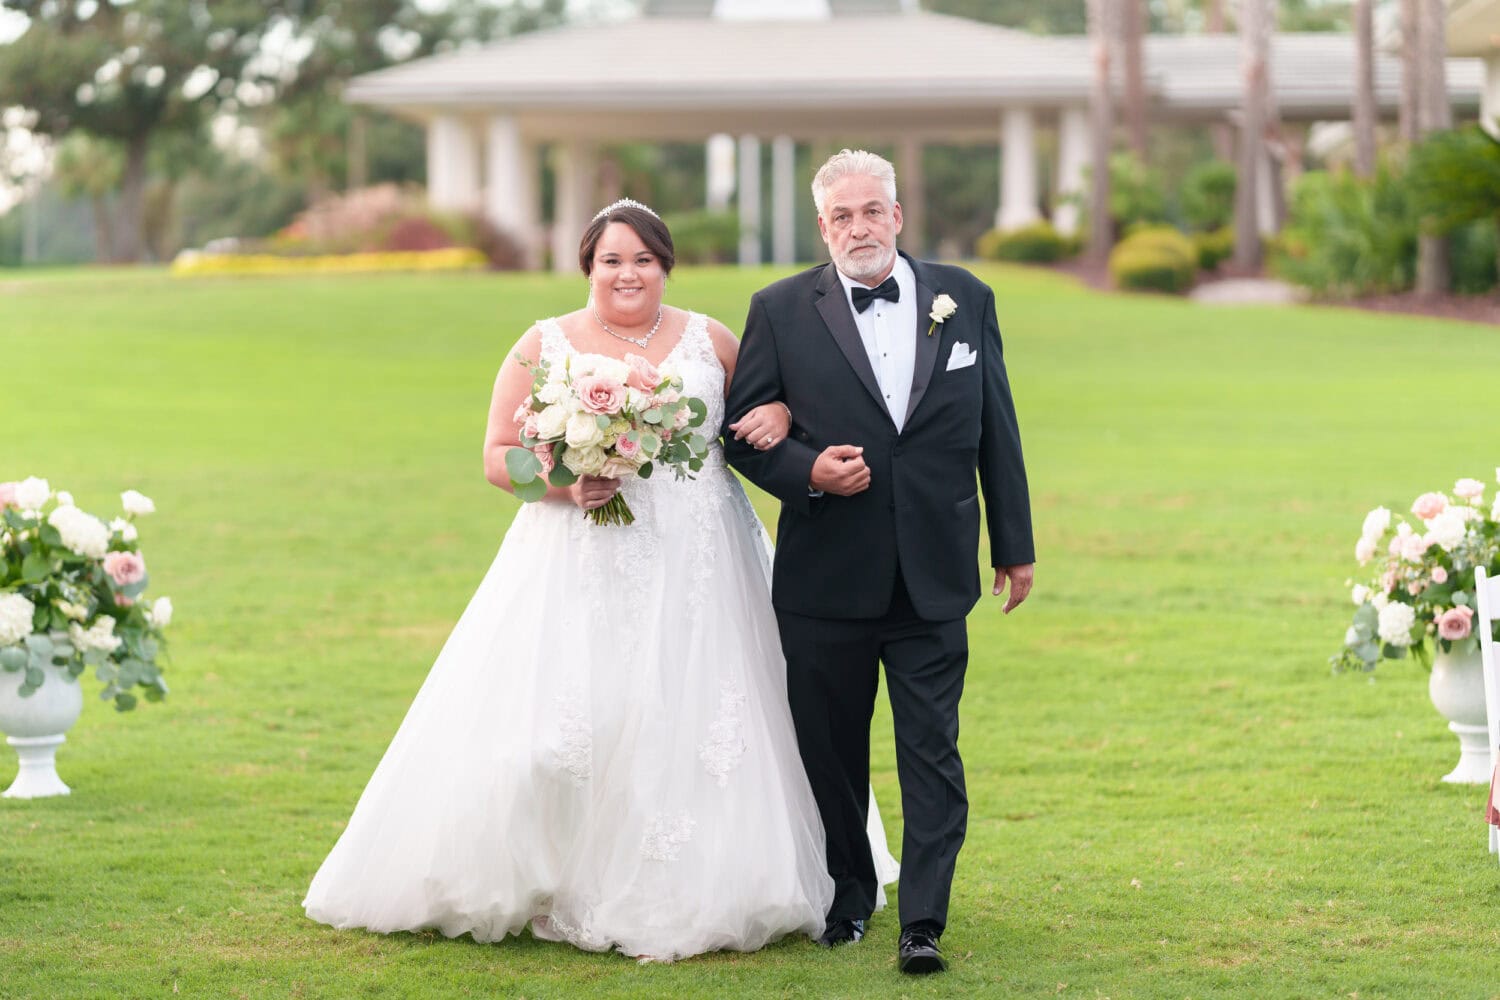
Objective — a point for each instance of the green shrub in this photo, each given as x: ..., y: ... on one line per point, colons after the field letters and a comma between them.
x: 1474, y: 256
x: 1208, y: 196
x: 1137, y: 193
x: 704, y: 236
x: 1154, y: 259
x: 1214, y: 248
x: 1346, y: 236
x: 1454, y: 177
x: 1038, y: 243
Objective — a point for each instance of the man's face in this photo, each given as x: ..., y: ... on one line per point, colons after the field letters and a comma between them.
x: 860, y: 226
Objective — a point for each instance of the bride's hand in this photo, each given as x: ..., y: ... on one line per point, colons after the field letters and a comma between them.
x: 592, y: 491
x: 764, y: 427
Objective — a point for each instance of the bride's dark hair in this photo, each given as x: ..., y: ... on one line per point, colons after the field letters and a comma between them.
x: 652, y: 231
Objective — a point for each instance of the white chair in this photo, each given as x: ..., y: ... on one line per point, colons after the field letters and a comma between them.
x: 1487, y: 589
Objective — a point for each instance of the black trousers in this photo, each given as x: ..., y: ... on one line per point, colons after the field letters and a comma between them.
x: 832, y: 678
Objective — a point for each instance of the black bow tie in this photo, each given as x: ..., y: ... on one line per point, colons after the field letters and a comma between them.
x: 862, y: 296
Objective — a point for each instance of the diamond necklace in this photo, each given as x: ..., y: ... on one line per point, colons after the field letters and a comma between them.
x: 640, y: 342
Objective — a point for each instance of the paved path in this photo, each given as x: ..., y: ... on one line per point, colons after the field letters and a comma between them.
x: 1252, y: 291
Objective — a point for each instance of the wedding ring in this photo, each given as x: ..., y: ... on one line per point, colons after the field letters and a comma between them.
x: 768, y: 438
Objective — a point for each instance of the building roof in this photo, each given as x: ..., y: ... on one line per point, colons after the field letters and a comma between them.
x: 1474, y: 27
x: 914, y: 73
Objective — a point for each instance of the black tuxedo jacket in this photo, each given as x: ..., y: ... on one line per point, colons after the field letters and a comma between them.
x: 837, y: 557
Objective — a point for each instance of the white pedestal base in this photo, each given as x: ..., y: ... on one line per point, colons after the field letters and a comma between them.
x: 37, y: 778
x: 1474, y: 755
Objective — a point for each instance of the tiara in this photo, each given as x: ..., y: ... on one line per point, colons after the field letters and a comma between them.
x: 625, y: 203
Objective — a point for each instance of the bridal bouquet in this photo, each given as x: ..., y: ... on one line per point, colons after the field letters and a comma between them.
x: 1421, y: 587
x: 71, y: 594
x: 600, y: 416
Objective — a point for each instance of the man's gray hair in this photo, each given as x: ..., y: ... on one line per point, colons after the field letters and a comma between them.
x: 853, y: 163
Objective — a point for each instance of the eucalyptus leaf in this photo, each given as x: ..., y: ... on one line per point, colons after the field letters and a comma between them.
x: 35, y: 677
x: 561, y: 475
x: 35, y: 568
x: 699, y: 408
x: 522, y: 467
x: 652, y: 416
x: 1367, y: 617
x: 13, y: 658
x: 531, y: 490
x: 39, y: 643
x: 1394, y: 652
x: 1460, y: 599
x: 26, y: 690
x: 644, y: 471
x: 124, y: 701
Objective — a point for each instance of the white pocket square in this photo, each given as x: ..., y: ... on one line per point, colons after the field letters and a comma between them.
x: 961, y: 357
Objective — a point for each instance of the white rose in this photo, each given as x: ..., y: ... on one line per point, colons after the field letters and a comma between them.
x: 64, y: 498
x: 1364, y: 549
x: 32, y: 492
x: 552, y: 392
x: 159, y: 615
x: 1379, y: 601
x: 15, y: 618
x: 551, y: 422
x: 1396, y: 620
x: 101, y: 635
x: 135, y: 503
x: 83, y: 534
x: 942, y: 307
x: 584, y: 461
x: 1360, y: 593
x: 125, y: 528
x: 583, y: 431
x: 1376, y: 523
x: 1447, y: 529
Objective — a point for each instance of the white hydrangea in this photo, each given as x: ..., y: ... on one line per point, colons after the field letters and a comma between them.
x: 1360, y: 593
x: 159, y: 615
x: 125, y: 528
x: 32, y: 492
x: 136, y: 503
x: 15, y: 618
x: 1376, y: 523
x: 64, y: 498
x: 552, y: 392
x: 1396, y: 620
x: 100, y: 635
x: 83, y: 534
x: 1447, y: 529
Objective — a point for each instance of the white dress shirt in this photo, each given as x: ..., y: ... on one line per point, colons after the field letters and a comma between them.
x: 889, y: 332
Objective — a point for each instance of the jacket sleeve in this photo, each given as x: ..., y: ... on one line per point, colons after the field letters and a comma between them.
x: 785, y: 470
x: 1002, y: 473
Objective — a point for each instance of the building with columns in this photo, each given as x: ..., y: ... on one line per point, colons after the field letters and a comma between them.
x: 734, y: 74
x: 1474, y: 30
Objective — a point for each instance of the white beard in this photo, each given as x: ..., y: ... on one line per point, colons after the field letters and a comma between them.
x: 866, y: 268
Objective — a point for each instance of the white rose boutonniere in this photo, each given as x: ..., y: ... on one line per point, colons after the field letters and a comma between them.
x: 942, y: 307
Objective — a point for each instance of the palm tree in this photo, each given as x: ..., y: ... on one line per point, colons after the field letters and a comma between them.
x: 1433, y: 113
x: 1101, y: 128
x: 1411, y: 78
x: 1132, y: 14
x: 1364, y: 88
x: 1255, y: 42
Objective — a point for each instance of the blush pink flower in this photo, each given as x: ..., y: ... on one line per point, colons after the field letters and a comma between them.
x: 124, y: 568
x: 529, y: 426
x: 1468, y: 488
x: 1456, y: 623
x: 1414, y: 588
x: 1388, y: 581
x: 1364, y: 550
x: 1439, y: 575
x: 543, y: 452
x: 643, y: 374
x: 600, y: 395
x: 122, y: 601
x: 7, y: 495
x: 1429, y: 505
x: 627, y: 449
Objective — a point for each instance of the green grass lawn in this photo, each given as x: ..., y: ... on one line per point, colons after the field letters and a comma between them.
x: 1171, y: 797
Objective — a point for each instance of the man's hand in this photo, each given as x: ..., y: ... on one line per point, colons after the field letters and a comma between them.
x: 840, y: 469
x: 1020, y: 583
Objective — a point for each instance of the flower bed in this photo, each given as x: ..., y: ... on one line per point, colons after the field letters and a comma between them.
x: 196, y: 263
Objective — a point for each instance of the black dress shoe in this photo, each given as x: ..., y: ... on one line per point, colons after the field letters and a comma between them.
x: 918, y: 952
x: 842, y: 932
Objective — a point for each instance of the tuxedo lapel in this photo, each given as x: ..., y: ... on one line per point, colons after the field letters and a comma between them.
x: 833, y: 306
x: 927, y: 347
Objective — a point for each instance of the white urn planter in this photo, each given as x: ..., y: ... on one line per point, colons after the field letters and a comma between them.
x: 35, y: 727
x: 1457, y: 690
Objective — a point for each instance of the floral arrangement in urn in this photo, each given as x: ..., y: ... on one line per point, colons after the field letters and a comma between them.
x: 1421, y: 589
x: 72, y: 595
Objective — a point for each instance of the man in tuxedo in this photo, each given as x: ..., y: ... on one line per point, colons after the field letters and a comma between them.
x: 893, y: 373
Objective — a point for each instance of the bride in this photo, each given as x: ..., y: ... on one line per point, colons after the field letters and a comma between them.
x: 603, y: 750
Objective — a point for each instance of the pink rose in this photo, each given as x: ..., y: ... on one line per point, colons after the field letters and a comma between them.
x: 666, y: 396
x: 121, y: 601
x: 1364, y: 550
x: 1468, y: 488
x: 1429, y: 505
x: 1388, y: 581
x: 1455, y: 623
x: 600, y: 395
x: 1412, y: 547
x: 124, y: 568
x: 7, y: 495
x: 1395, y: 547
x: 643, y: 374
x: 543, y: 452
x: 528, y: 426
x: 1414, y: 588
x: 628, y: 449
x: 523, y: 411
x: 1439, y: 575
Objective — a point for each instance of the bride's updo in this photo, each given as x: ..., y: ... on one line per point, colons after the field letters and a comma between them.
x: 652, y: 231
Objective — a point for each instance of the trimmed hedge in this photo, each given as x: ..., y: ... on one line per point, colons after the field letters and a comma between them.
x: 1038, y: 243
x: 1154, y: 259
x: 1214, y: 248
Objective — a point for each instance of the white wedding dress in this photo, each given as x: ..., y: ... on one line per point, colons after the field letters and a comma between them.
x: 603, y: 749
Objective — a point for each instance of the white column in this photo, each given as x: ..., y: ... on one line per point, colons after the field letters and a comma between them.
x: 1489, y: 98
x: 452, y: 164
x: 718, y: 156
x: 910, y: 192
x: 510, y: 188
x: 1072, y: 162
x: 575, y: 166
x: 749, y: 197
x: 1018, y: 188
x: 783, y: 200
x: 1265, y: 198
